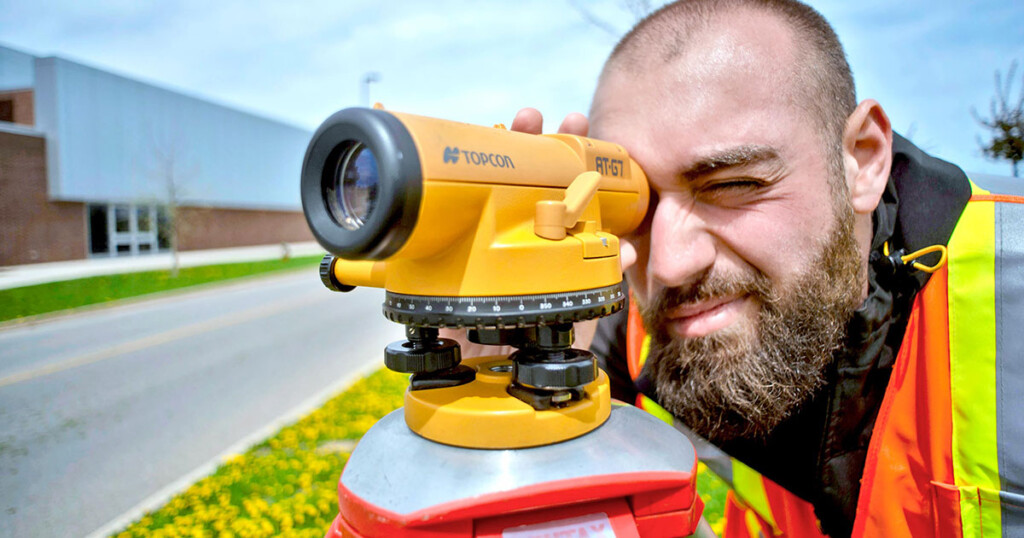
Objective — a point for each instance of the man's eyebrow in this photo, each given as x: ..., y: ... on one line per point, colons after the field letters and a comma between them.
x: 733, y: 157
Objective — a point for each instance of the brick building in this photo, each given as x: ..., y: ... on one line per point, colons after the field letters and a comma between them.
x: 94, y: 164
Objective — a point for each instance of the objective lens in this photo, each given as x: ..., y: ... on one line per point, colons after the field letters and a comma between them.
x: 353, y: 194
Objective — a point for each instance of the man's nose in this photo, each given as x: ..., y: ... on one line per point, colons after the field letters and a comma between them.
x: 682, y: 250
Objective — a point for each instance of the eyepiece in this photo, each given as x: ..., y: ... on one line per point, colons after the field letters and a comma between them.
x: 352, y: 192
x: 362, y: 184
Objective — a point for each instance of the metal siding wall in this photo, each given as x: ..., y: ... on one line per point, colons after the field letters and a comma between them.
x: 107, y: 132
x: 47, y: 116
x: 16, y: 69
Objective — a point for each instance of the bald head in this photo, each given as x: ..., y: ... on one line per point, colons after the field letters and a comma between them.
x: 809, y: 58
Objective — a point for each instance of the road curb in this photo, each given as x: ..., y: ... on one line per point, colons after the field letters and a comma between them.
x: 164, y: 494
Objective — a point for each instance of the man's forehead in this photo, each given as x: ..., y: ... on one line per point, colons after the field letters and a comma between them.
x: 736, y: 51
x: 750, y: 46
x: 731, y: 75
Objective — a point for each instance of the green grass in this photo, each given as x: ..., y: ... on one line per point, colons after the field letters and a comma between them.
x: 287, y: 485
x: 54, y: 296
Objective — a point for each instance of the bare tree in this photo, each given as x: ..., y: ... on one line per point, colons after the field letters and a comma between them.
x: 1005, y: 123
x: 638, y: 8
x: 171, y: 174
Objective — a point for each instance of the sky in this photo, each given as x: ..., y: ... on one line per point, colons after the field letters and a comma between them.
x: 927, y: 62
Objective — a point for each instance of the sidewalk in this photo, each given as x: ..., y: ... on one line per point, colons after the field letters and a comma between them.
x: 15, y: 276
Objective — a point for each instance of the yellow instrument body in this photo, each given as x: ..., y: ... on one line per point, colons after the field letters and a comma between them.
x: 483, y: 188
x: 481, y: 414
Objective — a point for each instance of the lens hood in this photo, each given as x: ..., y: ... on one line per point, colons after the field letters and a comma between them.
x: 400, y: 189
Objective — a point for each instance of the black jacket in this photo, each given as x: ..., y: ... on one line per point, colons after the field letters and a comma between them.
x: 818, y: 452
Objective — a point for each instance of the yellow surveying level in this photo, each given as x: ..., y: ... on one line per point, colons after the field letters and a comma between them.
x: 514, y: 237
x: 440, y: 208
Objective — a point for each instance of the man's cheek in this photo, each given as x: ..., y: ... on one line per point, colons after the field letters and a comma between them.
x: 637, y: 283
x: 627, y: 253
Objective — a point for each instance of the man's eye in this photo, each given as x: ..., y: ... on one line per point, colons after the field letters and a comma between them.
x: 732, y: 185
x: 729, y: 192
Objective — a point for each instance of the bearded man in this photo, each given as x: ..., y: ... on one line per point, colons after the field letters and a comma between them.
x: 787, y: 323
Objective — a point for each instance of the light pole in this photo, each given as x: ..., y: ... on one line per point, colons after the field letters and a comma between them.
x: 369, y: 78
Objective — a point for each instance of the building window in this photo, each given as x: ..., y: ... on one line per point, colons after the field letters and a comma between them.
x: 127, y: 229
x: 7, y: 110
x: 99, y: 236
x: 142, y: 218
x: 163, y: 229
x: 121, y: 219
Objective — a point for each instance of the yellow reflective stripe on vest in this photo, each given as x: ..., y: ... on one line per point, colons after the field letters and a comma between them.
x: 749, y: 487
x: 645, y: 350
x: 658, y: 411
x: 646, y: 403
x: 972, y: 345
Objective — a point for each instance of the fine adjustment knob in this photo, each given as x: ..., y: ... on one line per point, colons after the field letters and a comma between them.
x: 327, y: 275
x: 559, y: 370
x: 413, y: 357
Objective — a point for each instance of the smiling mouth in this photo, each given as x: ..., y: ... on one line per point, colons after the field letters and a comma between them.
x: 701, y: 319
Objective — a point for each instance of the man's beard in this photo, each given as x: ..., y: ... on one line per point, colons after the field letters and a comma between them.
x: 744, y: 380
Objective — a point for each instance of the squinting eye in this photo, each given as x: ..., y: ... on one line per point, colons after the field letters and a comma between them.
x: 728, y: 192
x: 733, y: 185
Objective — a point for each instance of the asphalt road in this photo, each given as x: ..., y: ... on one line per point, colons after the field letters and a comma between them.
x: 100, y: 410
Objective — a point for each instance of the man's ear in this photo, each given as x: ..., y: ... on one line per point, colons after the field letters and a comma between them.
x: 867, y: 154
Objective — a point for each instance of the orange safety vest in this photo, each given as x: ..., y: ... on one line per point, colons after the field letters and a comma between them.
x: 946, y: 457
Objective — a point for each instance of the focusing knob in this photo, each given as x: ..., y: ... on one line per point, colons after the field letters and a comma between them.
x: 327, y: 275
x: 413, y: 357
x: 554, y: 337
x: 553, y: 370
